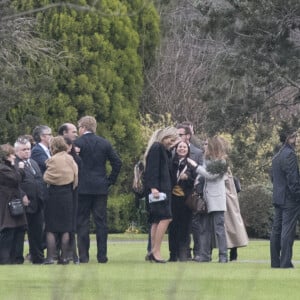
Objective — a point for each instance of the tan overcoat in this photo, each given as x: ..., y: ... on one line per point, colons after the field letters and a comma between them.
x: 236, y: 233
x: 61, y: 170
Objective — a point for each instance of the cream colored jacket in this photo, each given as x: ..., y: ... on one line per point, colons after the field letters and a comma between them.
x: 61, y: 170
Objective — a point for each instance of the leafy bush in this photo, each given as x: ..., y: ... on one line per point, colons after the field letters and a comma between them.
x: 121, y: 212
x: 257, y: 210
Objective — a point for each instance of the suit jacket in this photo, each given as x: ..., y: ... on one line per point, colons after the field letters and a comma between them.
x: 95, y: 151
x: 285, y: 176
x: 196, y: 154
x: 40, y: 156
x: 33, y: 186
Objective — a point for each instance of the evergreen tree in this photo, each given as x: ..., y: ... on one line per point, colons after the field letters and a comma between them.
x: 103, y: 70
x: 260, y: 64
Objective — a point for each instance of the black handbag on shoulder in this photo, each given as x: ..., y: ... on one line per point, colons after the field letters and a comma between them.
x: 16, y: 207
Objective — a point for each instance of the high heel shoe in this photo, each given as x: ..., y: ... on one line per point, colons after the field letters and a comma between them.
x: 153, y: 258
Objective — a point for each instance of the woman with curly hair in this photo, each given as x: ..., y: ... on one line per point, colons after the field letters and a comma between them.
x: 214, y: 192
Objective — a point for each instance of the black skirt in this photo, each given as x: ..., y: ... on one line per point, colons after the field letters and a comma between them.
x: 159, y: 210
x: 59, y: 213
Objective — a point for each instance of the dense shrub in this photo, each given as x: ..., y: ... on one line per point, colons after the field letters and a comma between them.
x: 257, y: 210
x: 121, y: 212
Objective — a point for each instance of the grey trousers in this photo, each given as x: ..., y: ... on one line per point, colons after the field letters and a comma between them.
x: 202, y: 236
x: 217, y: 219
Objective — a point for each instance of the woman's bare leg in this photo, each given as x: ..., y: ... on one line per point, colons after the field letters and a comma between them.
x: 159, y: 232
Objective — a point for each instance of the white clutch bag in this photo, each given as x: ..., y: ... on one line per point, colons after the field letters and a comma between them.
x: 162, y: 197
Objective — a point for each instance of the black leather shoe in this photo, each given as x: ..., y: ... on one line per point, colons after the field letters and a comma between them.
x: 103, y: 260
x: 48, y: 261
x: 172, y: 259
x: 63, y: 261
x: 76, y: 261
x: 153, y: 258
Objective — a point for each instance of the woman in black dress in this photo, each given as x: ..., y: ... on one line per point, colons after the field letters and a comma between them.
x: 61, y: 177
x: 158, y: 166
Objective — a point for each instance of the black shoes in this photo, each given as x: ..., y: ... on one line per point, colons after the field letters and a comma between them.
x: 48, y: 261
x: 172, y: 259
x: 103, y: 260
x: 233, y: 254
x: 63, y: 261
x: 152, y: 258
x: 76, y: 261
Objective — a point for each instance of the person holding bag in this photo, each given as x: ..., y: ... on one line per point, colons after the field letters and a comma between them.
x: 157, y: 181
x: 12, y: 227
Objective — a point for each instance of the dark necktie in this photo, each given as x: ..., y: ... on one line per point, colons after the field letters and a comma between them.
x: 28, y: 164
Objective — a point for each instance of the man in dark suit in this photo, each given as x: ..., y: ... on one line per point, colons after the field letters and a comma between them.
x: 93, y: 188
x: 286, y: 199
x: 32, y: 186
x: 40, y: 152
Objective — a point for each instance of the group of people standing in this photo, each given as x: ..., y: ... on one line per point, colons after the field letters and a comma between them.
x: 173, y: 166
x: 61, y: 181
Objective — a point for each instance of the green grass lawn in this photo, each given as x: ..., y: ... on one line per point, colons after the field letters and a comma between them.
x: 128, y: 276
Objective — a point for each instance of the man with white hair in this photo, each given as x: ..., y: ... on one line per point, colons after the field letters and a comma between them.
x: 32, y: 186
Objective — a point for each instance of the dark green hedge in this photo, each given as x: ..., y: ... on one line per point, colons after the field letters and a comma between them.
x: 257, y: 210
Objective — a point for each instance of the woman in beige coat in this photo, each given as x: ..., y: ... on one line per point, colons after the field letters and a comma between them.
x: 61, y: 177
x: 236, y: 234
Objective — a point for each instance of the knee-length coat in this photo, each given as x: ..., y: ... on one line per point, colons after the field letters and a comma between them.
x: 10, y: 180
x: 236, y: 234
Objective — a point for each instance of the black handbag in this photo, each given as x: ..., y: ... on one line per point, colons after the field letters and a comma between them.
x: 16, y: 207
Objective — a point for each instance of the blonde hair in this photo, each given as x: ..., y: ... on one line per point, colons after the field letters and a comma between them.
x: 158, y: 136
x: 217, y: 148
x: 58, y: 144
x: 89, y: 123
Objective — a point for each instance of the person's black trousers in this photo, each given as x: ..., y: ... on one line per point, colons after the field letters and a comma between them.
x: 179, y: 229
x: 283, y: 235
x: 12, y: 245
x: 36, y: 236
x: 97, y: 205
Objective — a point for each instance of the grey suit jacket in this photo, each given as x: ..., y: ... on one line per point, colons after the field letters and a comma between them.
x: 196, y: 154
